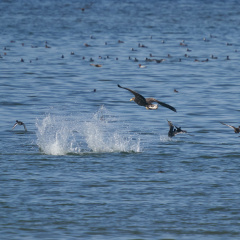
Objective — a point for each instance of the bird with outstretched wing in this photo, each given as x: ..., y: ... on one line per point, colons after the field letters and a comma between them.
x: 147, y: 102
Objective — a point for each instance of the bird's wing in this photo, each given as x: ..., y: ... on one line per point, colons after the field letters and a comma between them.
x: 170, y: 124
x: 14, y: 125
x: 228, y: 125
x: 182, y: 131
x: 151, y: 100
x: 137, y: 95
x: 25, y: 127
x: 171, y: 131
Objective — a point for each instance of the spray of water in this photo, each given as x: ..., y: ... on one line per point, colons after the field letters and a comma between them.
x: 99, y: 133
x: 55, y: 137
x: 165, y: 138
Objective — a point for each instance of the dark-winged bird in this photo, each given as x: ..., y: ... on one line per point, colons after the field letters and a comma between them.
x: 173, y: 130
x: 19, y: 123
x: 236, y: 129
x: 147, y: 102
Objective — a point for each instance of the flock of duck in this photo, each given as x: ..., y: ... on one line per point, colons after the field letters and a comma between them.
x: 149, y: 59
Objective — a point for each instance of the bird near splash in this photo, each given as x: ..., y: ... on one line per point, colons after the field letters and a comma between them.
x: 19, y: 123
x: 174, y: 130
x: 147, y: 102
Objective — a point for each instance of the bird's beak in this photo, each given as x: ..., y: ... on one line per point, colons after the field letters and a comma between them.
x: 131, y: 99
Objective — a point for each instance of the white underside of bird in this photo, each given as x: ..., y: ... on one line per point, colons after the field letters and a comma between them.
x: 152, y: 107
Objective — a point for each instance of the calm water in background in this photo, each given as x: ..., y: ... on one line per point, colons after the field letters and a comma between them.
x: 94, y: 165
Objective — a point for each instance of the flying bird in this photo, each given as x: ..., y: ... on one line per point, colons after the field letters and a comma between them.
x: 236, y: 129
x: 173, y: 130
x: 19, y: 123
x: 147, y: 102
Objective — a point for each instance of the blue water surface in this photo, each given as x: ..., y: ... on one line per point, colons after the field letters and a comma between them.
x: 92, y: 164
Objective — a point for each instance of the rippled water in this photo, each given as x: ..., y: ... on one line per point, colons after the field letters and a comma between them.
x: 94, y: 165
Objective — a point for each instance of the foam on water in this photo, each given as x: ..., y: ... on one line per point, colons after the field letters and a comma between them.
x: 55, y: 135
x: 165, y: 138
x: 99, y: 133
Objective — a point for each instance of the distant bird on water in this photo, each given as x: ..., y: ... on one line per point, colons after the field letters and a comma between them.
x: 96, y: 65
x: 141, y: 66
x: 147, y: 102
x: 236, y: 129
x: 173, y: 130
x: 19, y: 123
x: 159, y: 60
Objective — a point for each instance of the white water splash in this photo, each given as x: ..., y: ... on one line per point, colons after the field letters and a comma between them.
x: 99, y: 133
x: 55, y: 136
x: 165, y: 138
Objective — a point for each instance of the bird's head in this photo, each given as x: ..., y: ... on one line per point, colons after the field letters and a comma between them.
x: 132, y: 99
